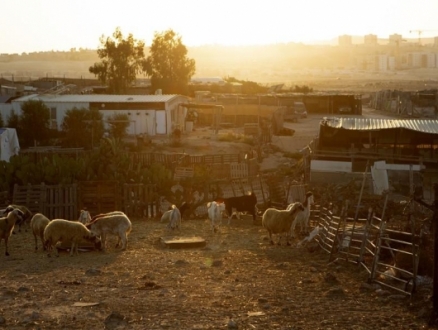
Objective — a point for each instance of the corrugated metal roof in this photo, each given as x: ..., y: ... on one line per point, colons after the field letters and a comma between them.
x: 365, y: 124
x: 104, y: 98
x: 5, y: 98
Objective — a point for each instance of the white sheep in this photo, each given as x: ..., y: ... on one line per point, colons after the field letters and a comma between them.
x: 7, y: 224
x: 113, y: 223
x: 311, y: 236
x: 166, y: 216
x: 84, y: 217
x: 214, y: 210
x: 27, y: 215
x: 302, y: 217
x: 173, y: 216
x: 280, y: 221
x: 60, y: 230
x: 38, y: 223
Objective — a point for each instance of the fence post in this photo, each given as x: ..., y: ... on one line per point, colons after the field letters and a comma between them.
x: 341, y: 219
x: 376, y: 256
x: 365, y: 235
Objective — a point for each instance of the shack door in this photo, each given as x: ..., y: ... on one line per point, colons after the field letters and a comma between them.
x: 161, y: 122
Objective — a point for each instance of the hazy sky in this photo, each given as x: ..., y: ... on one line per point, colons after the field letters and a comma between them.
x: 44, y: 25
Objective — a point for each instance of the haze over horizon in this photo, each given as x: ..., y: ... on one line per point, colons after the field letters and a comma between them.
x: 45, y: 25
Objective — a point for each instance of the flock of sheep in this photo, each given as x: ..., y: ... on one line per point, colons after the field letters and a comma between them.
x: 281, y: 222
x: 95, y: 230
x: 51, y: 232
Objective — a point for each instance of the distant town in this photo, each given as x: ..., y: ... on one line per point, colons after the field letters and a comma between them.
x: 367, y: 57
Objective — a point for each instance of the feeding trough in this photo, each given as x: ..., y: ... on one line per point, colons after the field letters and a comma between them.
x: 176, y: 242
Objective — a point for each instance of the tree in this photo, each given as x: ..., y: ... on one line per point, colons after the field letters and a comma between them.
x: 34, y: 123
x: 82, y: 128
x: 302, y: 89
x: 168, y: 65
x: 121, y: 61
x: 13, y: 121
x: 118, y: 123
x: 248, y: 87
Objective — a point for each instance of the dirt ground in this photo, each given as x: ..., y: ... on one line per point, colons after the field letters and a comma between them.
x: 236, y: 281
x: 238, y: 274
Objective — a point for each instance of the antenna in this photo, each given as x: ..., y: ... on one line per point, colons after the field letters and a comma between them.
x: 419, y: 35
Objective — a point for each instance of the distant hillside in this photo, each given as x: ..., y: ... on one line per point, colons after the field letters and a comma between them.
x: 288, y: 63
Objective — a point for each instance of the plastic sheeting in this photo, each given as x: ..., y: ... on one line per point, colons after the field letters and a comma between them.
x: 9, y: 145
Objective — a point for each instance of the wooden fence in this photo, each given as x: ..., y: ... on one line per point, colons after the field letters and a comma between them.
x: 138, y: 201
x: 99, y: 196
x: 59, y: 201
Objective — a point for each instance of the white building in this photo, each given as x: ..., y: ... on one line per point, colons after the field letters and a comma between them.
x: 430, y: 60
x: 391, y: 63
x: 395, y: 39
x: 414, y: 60
x: 345, y: 40
x: 370, y: 40
x: 148, y: 114
x: 381, y: 62
x: 207, y: 81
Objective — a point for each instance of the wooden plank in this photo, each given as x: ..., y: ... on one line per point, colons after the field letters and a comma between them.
x: 140, y: 201
x: 251, y: 129
x: 99, y: 196
x: 31, y: 196
x: 61, y: 202
x: 220, y: 171
x: 238, y: 170
x: 183, y: 242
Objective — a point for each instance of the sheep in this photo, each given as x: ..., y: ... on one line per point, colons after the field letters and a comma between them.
x: 84, y: 217
x: 38, y: 223
x: 60, y: 230
x: 166, y: 216
x: 106, y: 214
x: 7, y: 226
x: 215, y: 210
x: 280, y: 221
x: 302, y: 217
x: 115, y: 223
x: 182, y: 209
x: 311, y: 236
x: 173, y: 216
x: 26, y: 218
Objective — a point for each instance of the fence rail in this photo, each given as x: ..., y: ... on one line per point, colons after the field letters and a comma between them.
x: 368, y: 242
x: 139, y: 201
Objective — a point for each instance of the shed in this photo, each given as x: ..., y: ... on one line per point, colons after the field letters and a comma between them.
x: 346, y: 145
x: 148, y: 114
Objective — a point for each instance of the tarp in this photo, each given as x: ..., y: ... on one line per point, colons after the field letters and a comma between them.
x: 9, y: 145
